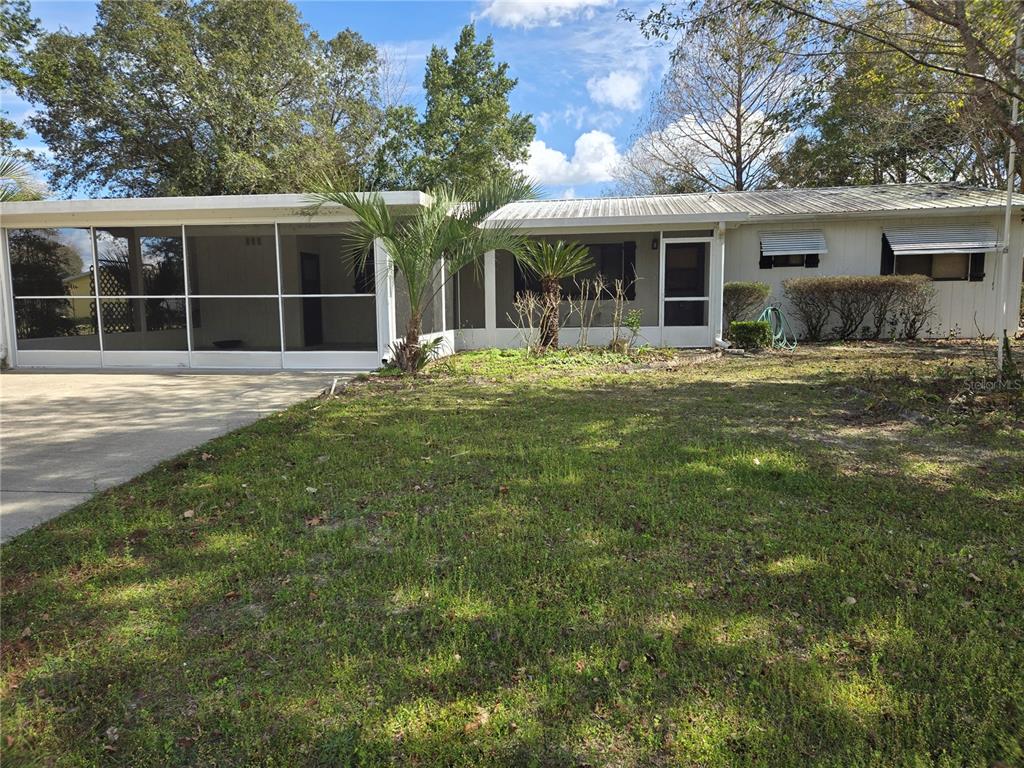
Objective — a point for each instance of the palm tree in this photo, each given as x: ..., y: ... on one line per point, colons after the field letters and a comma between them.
x: 449, y: 232
x: 17, y: 182
x: 552, y: 263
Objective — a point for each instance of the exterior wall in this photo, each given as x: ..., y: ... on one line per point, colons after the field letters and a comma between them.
x: 854, y: 248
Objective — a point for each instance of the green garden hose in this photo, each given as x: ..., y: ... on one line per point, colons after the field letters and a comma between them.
x: 782, y: 335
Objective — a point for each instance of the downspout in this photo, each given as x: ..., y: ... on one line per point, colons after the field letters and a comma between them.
x: 1002, y: 300
x: 719, y: 290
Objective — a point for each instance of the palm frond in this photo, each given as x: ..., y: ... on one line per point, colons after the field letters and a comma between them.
x: 554, y: 261
x: 17, y: 182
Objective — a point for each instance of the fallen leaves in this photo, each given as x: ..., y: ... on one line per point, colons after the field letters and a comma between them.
x: 481, y: 719
x: 188, y: 514
x: 312, y: 522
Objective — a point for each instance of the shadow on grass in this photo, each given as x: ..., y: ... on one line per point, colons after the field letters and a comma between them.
x: 617, y: 572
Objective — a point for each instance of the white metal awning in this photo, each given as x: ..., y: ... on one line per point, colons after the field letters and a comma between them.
x: 942, y: 238
x: 789, y: 243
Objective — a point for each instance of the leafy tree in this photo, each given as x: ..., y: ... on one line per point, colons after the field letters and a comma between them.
x: 972, y: 41
x: 17, y: 31
x: 467, y: 132
x: 886, y: 119
x: 181, y: 97
x: 447, y: 231
x: 726, y: 105
x: 552, y: 263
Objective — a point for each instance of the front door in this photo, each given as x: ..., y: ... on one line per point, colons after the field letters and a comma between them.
x: 312, y: 307
x: 686, y: 278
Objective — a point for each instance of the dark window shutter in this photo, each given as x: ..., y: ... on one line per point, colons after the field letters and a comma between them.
x: 629, y: 269
x: 977, y: 271
x: 765, y: 261
x: 812, y: 260
x: 888, y: 258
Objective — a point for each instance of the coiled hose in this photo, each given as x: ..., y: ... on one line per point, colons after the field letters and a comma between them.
x: 782, y: 335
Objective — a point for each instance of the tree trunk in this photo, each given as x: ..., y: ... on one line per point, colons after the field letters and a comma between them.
x: 552, y: 293
x: 407, y: 356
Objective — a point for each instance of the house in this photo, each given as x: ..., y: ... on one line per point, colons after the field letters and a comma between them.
x: 256, y: 281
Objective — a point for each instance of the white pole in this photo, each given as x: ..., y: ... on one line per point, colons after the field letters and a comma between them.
x: 1002, y: 299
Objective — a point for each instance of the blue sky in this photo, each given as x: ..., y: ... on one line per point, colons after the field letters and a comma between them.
x: 584, y: 74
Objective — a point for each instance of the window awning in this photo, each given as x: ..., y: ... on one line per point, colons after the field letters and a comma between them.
x: 789, y: 243
x: 942, y: 238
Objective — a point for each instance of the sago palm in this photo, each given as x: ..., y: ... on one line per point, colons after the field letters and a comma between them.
x: 17, y: 183
x: 552, y: 263
x: 449, y: 230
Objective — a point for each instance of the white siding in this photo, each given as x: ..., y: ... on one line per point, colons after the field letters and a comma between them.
x: 854, y: 248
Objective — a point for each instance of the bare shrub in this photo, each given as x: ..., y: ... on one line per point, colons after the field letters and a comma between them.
x: 529, y: 308
x: 585, y: 304
x: 619, y: 292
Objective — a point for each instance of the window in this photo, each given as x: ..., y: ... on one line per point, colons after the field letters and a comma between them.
x: 937, y: 266
x: 800, y: 248
x: 613, y: 261
x: 941, y: 252
x: 795, y: 260
x: 809, y: 260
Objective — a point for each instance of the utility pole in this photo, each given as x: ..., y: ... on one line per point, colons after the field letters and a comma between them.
x: 1002, y: 300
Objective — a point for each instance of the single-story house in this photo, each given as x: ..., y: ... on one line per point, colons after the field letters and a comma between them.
x: 255, y: 281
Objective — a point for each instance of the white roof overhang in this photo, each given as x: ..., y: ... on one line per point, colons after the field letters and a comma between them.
x: 942, y: 238
x: 221, y: 209
x: 793, y: 242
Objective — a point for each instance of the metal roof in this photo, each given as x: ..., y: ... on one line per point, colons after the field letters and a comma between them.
x: 755, y: 205
x: 787, y: 243
x: 942, y: 238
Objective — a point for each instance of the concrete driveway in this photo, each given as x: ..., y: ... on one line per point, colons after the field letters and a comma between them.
x: 66, y: 435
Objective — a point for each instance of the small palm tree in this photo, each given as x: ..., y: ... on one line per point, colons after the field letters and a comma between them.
x: 17, y: 182
x: 450, y: 231
x: 552, y: 263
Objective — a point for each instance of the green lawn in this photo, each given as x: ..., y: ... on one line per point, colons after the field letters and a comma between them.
x: 785, y: 559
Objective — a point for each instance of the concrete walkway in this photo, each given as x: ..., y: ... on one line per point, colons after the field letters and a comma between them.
x: 66, y: 435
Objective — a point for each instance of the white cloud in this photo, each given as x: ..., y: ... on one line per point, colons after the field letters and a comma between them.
x: 594, y: 159
x: 619, y: 89
x: 569, y: 193
x: 539, y: 13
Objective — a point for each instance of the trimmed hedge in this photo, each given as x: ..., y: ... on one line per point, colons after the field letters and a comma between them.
x: 741, y: 300
x: 868, y: 306
x: 751, y: 334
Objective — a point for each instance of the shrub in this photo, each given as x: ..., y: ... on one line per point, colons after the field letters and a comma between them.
x: 740, y: 300
x: 861, y: 305
x: 915, y: 306
x: 751, y: 334
x: 811, y: 299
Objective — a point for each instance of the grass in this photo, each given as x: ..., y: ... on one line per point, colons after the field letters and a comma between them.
x: 783, y: 559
